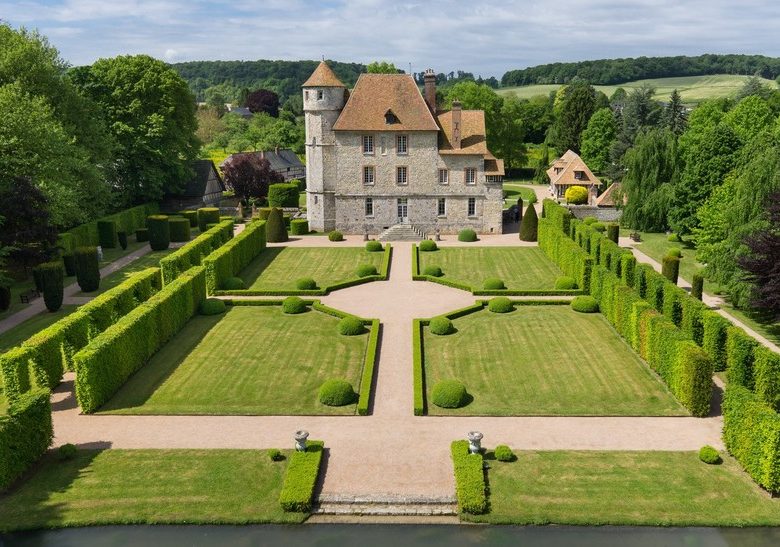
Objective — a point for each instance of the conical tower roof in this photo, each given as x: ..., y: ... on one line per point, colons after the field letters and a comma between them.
x: 323, y: 76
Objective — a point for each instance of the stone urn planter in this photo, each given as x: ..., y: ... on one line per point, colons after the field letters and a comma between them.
x: 300, y: 440
x: 475, y: 442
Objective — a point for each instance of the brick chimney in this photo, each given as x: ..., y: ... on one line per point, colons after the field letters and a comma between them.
x: 430, y: 90
x: 456, y: 127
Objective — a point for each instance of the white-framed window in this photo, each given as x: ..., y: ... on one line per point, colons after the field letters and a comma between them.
x: 402, y: 144
x: 471, y: 175
x: 441, y: 207
x: 444, y: 176
x: 368, y: 144
x: 493, y: 178
x: 579, y: 175
x: 320, y: 94
x: 369, y: 207
x: 402, y: 175
x: 472, y: 212
x: 369, y: 173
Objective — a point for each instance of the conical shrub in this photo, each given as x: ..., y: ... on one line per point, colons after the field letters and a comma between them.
x: 529, y: 225
x: 275, y: 230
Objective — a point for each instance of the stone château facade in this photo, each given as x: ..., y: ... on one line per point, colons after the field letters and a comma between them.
x: 384, y: 155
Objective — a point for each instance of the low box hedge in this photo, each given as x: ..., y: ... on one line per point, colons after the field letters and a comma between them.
x: 301, y: 478
x: 191, y: 215
x: 26, y: 432
x: 283, y: 195
x: 470, y: 486
x: 418, y: 375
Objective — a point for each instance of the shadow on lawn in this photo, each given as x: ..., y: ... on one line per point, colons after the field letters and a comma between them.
x: 255, y: 269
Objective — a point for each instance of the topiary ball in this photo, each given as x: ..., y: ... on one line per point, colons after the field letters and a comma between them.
x: 709, y: 455
x: 212, y: 306
x: 441, y: 326
x: 337, y: 393
x: 233, y: 284
x: 674, y: 251
x: 504, y: 453
x: 674, y: 238
x: 493, y: 284
x: 565, y: 283
x: 467, y: 234
x: 500, y: 304
x: 428, y: 245
x: 433, y: 271
x: 585, y: 304
x: 306, y: 284
x: 365, y: 270
x: 335, y: 235
x: 67, y: 452
x: 351, y: 326
x: 374, y: 246
x: 449, y: 394
x: 293, y: 304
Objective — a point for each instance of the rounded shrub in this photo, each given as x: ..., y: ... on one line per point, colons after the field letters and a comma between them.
x: 504, y: 453
x: 141, y: 235
x: 283, y: 195
x: 305, y: 284
x: 192, y: 216
x: 180, y: 229
x: 585, y: 304
x: 441, y: 326
x: 467, y: 235
x: 52, y: 275
x: 299, y: 227
x: 565, y: 283
x: 529, y: 226
x: 67, y: 452
x: 275, y: 231
x: 335, y: 235
x: 122, y: 237
x: 500, y: 304
x: 5, y: 297
x: 449, y: 394
x: 87, y: 268
x: 337, y: 393
x: 293, y: 304
x: 576, y: 195
x: 675, y: 251
x: 599, y: 227
x: 374, y: 246
x: 233, y: 284
x: 365, y: 270
x: 206, y: 216
x: 674, y: 238
x: 493, y: 284
x: 159, y: 232
x: 428, y: 245
x: 351, y: 326
x: 212, y: 306
x: 275, y: 455
x: 587, y: 221
x: 709, y: 455
x: 433, y: 271
x: 70, y: 264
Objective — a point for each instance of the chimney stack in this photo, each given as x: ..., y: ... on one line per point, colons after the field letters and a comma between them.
x: 430, y: 90
x: 456, y: 127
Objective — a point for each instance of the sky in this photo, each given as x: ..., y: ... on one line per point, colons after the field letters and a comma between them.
x: 486, y: 38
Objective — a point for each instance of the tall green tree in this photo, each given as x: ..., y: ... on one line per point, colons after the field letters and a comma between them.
x: 639, y: 113
x: 543, y: 163
x: 760, y: 263
x: 151, y: 114
x: 381, y: 67
x: 577, y: 105
x: 509, y: 136
x: 749, y: 117
x: 597, y: 139
x: 674, y: 117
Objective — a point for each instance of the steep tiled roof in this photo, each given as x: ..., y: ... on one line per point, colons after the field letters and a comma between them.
x: 378, y: 98
x: 610, y: 196
x: 323, y: 76
x: 567, y: 165
x: 472, y: 133
x: 196, y: 187
x: 493, y: 165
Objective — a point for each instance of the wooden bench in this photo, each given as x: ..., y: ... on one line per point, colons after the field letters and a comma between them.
x: 25, y: 297
x: 635, y: 236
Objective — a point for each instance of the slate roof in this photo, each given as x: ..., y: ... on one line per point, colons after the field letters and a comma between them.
x: 196, y: 187
x: 569, y: 163
x: 323, y: 76
x: 279, y: 159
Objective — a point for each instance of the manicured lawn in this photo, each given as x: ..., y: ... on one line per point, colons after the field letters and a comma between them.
x: 625, y: 488
x: 520, y: 268
x: 657, y: 246
x: 543, y: 360
x: 110, y: 255
x: 766, y: 328
x: 513, y: 191
x: 149, y: 487
x: 253, y: 360
x: 277, y: 268
x: 22, y: 332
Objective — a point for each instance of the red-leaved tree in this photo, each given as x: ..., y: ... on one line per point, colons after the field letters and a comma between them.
x: 249, y: 175
x: 762, y: 263
x: 263, y: 100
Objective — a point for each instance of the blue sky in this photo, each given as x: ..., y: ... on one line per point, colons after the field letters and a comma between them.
x: 486, y: 38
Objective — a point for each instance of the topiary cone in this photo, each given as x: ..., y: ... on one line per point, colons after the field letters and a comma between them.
x: 529, y: 226
x: 274, y: 229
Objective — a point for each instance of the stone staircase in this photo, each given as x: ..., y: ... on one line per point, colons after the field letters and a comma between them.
x: 385, y: 505
x: 402, y: 232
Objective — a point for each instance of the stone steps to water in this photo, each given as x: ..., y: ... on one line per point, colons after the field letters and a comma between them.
x: 389, y: 505
x: 402, y: 232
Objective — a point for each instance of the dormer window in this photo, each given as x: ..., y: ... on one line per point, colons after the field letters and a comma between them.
x: 391, y: 118
x: 579, y: 175
x: 558, y: 170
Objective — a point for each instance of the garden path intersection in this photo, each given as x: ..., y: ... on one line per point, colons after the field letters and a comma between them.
x: 391, y: 452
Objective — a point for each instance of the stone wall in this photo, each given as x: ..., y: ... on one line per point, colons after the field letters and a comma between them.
x: 603, y: 214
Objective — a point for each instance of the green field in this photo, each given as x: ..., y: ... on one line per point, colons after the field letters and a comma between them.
x: 624, y: 488
x: 543, y: 360
x: 253, y: 360
x: 23, y: 331
x: 149, y: 487
x: 278, y: 268
x: 693, y: 89
x: 520, y: 268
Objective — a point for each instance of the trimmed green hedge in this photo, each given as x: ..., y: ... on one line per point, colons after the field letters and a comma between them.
x: 467, y: 235
x: 179, y: 229
x: 335, y: 235
x: 441, y: 326
x: 159, y: 232
x: 585, y: 304
x: 740, y: 354
x: 336, y: 392
x: 107, y: 237
x: 87, y: 268
x: 369, y: 362
x: 301, y: 478
x: 232, y: 257
x: 572, y: 259
x: 105, y: 364
x: 715, y: 328
x: 212, y: 306
x: 751, y: 432
x: 275, y: 229
x: 350, y: 326
x: 766, y: 372
x: 88, y: 234
x: 449, y: 394
x: 26, y: 432
x: 418, y: 376
x: 529, y: 224
x: 142, y: 235
x: 299, y: 227
x: 193, y: 253
x: 283, y: 195
x: 206, y: 216
x: 470, y: 486
x: 293, y: 305
x: 500, y: 304
x: 428, y: 245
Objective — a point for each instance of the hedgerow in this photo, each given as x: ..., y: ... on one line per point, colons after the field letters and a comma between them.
x: 367, y: 377
x: 469, y: 479
x: 715, y: 328
x: 26, y: 433
x: 127, y: 221
x: 193, y: 253
x: 418, y: 377
x: 301, y: 478
x: 573, y: 260
x: 766, y: 374
x: 283, y: 195
x: 234, y: 255
x: 740, y: 354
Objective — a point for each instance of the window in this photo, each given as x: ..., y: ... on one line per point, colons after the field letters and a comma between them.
x: 306, y: 94
x: 402, y: 144
x: 493, y: 178
x: 579, y: 175
x: 442, y: 207
x: 472, y: 207
x: 444, y: 176
x: 369, y: 207
x: 368, y: 144
x: 368, y: 174
x: 401, y: 176
x: 558, y: 170
x: 471, y: 175
x: 320, y: 95
x: 315, y: 200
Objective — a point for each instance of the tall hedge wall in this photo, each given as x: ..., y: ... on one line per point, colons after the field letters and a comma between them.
x: 570, y: 257
x: 195, y: 251
x: 740, y: 353
x: 283, y: 195
x: 127, y: 221
x: 26, y: 433
x: 105, y: 364
x: 232, y: 257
